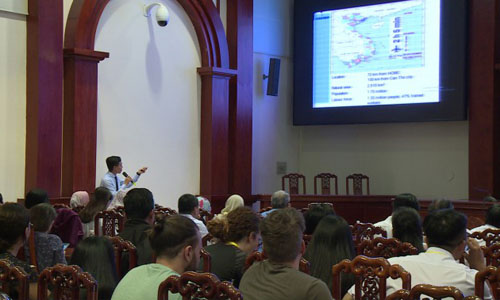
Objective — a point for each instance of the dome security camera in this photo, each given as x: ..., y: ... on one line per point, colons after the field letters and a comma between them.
x: 162, y: 14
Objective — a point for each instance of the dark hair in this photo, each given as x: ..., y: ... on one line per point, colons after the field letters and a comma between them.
x: 98, y: 202
x: 187, y: 203
x: 439, y: 204
x: 282, y: 232
x: 330, y: 244
x: 14, y: 219
x: 172, y: 234
x: 445, y: 228
x: 489, y: 198
x: 405, y: 200
x: 314, y: 214
x: 238, y: 224
x: 41, y: 216
x: 407, y: 227
x: 95, y: 255
x: 1, y: 198
x: 138, y: 203
x: 493, y: 216
x: 112, y: 161
x: 34, y: 197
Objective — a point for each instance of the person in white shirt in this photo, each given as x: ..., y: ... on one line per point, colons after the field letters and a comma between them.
x: 189, y: 206
x: 446, y: 236
x: 492, y: 222
x: 401, y: 200
x: 112, y: 182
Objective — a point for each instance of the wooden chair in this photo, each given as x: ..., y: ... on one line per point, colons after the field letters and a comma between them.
x: 435, y: 292
x: 386, y: 248
x: 492, y: 274
x: 357, y: 184
x: 371, y: 277
x: 123, y: 248
x: 490, y: 236
x: 10, y: 276
x: 365, y: 231
x: 207, y: 260
x: 492, y: 255
x: 325, y: 179
x: 293, y: 183
x: 66, y: 283
x: 192, y: 285
x: 163, y: 212
x: 111, y: 221
x: 304, y: 265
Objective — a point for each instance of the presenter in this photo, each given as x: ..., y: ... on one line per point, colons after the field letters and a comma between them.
x: 111, y: 181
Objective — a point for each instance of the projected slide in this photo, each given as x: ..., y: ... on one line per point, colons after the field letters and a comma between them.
x: 383, y: 54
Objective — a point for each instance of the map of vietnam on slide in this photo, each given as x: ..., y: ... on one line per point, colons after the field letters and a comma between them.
x: 377, y: 55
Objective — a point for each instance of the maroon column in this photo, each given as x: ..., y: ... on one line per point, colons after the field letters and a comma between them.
x: 44, y: 87
x: 80, y: 119
x: 214, y: 133
x: 240, y: 42
x: 484, y: 156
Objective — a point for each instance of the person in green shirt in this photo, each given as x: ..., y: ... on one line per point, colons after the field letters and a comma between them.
x: 177, y: 242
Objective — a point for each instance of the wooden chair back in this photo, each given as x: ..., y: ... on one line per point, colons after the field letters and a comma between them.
x: 365, y: 231
x: 163, y: 212
x: 10, y: 276
x: 66, y: 283
x: 108, y: 223
x: 192, y: 285
x: 490, y: 236
x: 492, y: 255
x: 123, y: 248
x: 325, y: 179
x: 492, y: 275
x: 207, y: 260
x: 357, y: 184
x: 304, y: 265
x: 370, y: 277
x: 435, y: 292
x: 293, y: 183
x: 386, y: 248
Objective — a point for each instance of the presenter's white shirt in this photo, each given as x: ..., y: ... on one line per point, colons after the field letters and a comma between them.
x: 203, y: 229
x: 386, y: 225
x: 436, y: 266
x: 114, y: 183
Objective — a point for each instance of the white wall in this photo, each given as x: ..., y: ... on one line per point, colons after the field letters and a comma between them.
x: 427, y: 159
x: 12, y: 105
x: 149, y: 98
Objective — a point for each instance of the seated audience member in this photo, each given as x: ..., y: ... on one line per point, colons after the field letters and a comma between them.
x: 279, y: 199
x: 177, y: 243
x: 80, y: 198
x: 1, y: 198
x: 189, y: 207
x: 232, y: 203
x: 407, y: 227
x: 439, y: 204
x: 239, y: 236
x: 48, y: 247
x: 492, y: 221
x: 95, y: 255
x: 99, y: 202
x: 34, y: 197
x: 68, y: 227
x: 330, y: 244
x: 279, y: 277
x: 401, y: 200
x: 445, y: 232
x: 14, y: 230
x: 314, y: 214
x: 139, y: 206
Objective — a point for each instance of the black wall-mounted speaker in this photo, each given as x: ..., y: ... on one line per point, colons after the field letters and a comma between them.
x: 274, y: 76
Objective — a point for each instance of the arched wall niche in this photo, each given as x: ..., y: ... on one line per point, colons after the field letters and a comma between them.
x: 80, y: 96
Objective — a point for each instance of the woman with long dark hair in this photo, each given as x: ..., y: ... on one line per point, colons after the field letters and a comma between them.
x: 407, y: 227
x: 99, y: 202
x: 95, y: 255
x: 330, y: 244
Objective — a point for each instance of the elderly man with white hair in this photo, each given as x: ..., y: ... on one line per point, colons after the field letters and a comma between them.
x: 280, y: 199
